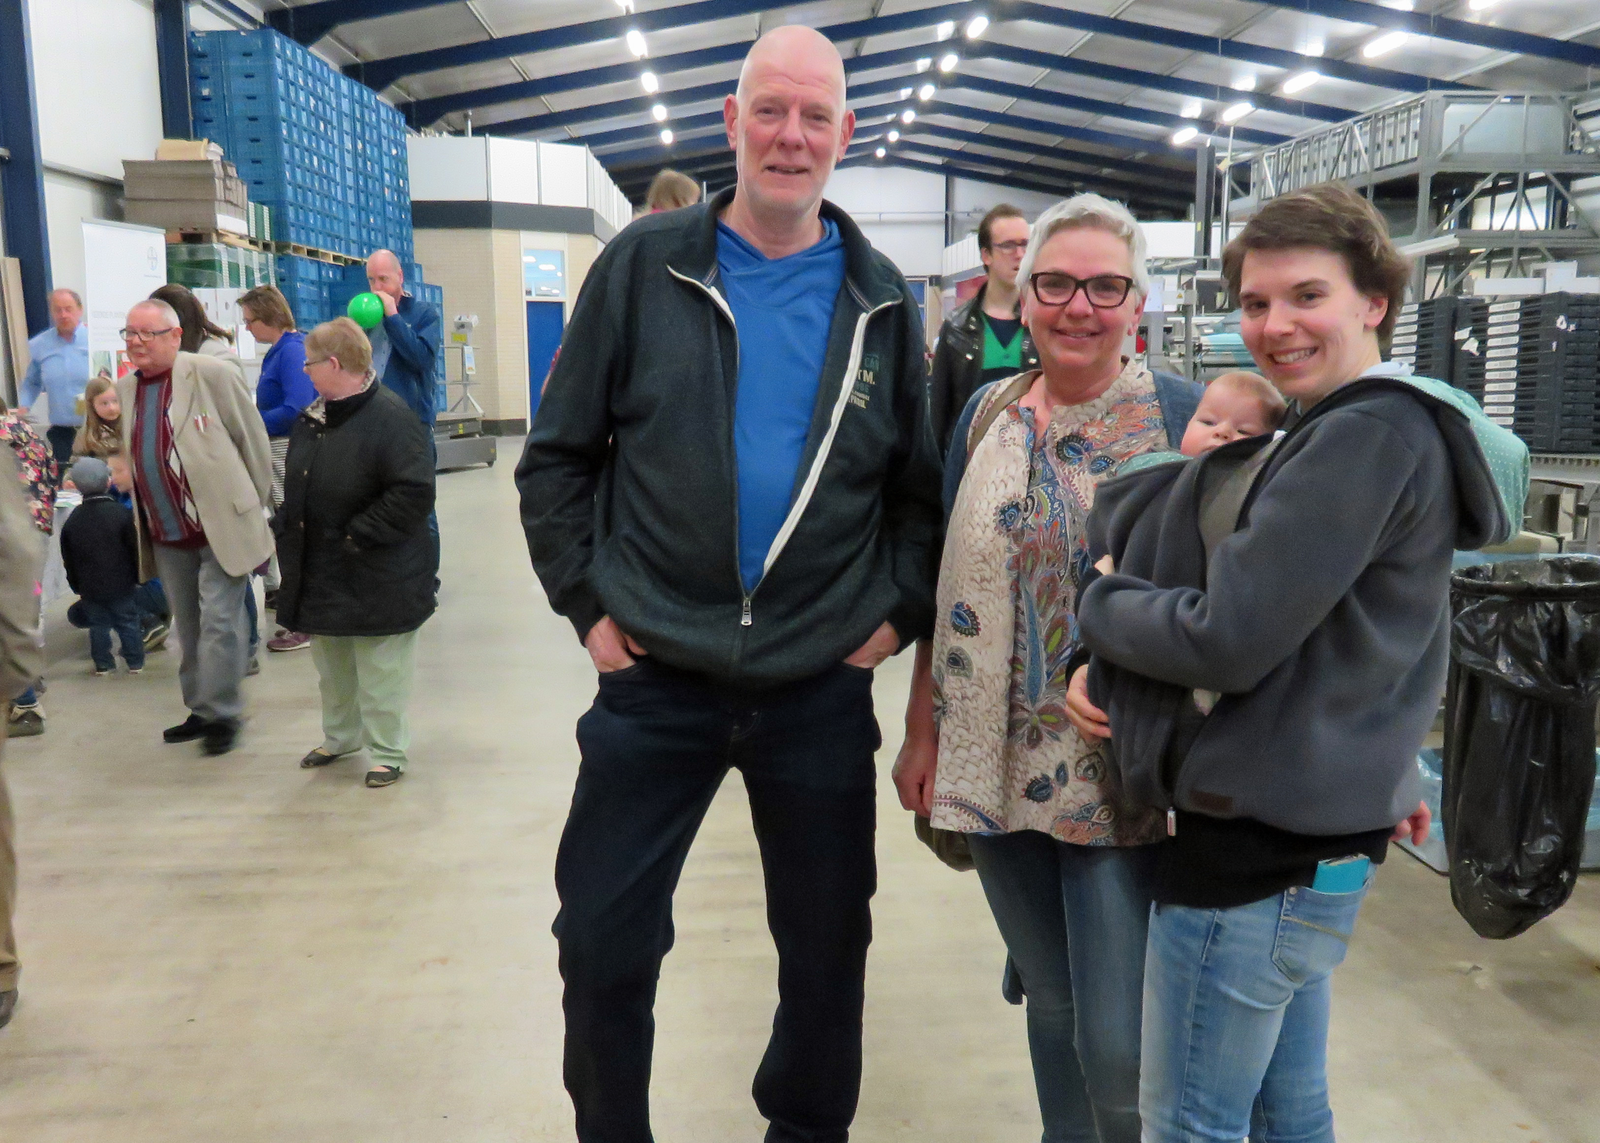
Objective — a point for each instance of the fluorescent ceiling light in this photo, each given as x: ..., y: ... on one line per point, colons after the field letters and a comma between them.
x: 1383, y: 45
x: 1245, y: 83
x: 1315, y: 48
x: 625, y: 5
x: 946, y: 30
x: 925, y: 92
x: 1238, y: 111
x: 905, y: 93
x: 649, y: 82
x: 636, y: 43
x: 666, y: 136
x: 907, y: 116
x: 977, y: 26
x: 894, y: 136
x: 1298, y: 83
x: 1184, y: 136
x: 881, y: 152
x: 1400, y: 5
x: 1482, y: 5
x: 948, y: 62
x: 924, y: 64
x: 1191, y: 110
x: 660, y: 112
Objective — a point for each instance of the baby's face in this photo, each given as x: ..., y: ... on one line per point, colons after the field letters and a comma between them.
x: 1225, y: 414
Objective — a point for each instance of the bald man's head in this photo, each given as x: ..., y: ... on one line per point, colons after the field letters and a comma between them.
x: 794, y: 50
x: 385, y: 275
x: 788, y: 123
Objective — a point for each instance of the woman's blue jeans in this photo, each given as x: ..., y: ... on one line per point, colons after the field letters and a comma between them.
x: 1074, y: 919
x: 1236, y: 1018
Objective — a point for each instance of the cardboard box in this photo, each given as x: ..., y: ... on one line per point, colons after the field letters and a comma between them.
x: 194, y: 181
x: 188, y: 149
x: 182, y: 214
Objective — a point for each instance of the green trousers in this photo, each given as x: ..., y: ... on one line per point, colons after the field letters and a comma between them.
x: 366, y: 684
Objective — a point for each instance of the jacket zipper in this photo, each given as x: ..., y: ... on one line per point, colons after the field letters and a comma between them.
x: 727, y: 311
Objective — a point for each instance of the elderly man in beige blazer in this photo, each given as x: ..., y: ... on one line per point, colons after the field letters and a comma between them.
x: 202, y: 476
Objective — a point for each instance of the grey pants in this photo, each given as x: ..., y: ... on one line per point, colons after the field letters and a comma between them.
x: 213, y: 630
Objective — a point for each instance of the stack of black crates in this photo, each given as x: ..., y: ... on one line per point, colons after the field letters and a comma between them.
x: 1425, y: 336
x: 1534, y: 364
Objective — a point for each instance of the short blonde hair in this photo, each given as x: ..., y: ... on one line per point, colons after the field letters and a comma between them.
x: 1092, y: 212
x: 671, y: 190
x: 267, y: 304
x: 343, y: 339
x: 1257, y: 387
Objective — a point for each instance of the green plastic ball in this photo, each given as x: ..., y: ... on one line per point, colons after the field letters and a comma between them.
x: 366, y: 310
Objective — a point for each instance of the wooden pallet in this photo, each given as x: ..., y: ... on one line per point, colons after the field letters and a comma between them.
x: 229, y: 238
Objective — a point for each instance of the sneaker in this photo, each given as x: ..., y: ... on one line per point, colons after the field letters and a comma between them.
x: 254, y: 667
x: 186, y: 731
x: 135, y: 670
x: 102, y: 672
x: 25, y: 721
x: 289, y: 641
x: 156, y: 637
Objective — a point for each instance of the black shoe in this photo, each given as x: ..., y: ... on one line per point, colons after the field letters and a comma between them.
x: 382, y: 776
x: 220, y: 736
x: 188, y: 730
x: 8, y: 1005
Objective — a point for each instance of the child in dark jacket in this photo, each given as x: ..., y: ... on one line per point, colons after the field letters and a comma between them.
x: 99, y: 551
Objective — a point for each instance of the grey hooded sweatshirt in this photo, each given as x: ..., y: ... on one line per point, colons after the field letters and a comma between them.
x: 1322, y: 621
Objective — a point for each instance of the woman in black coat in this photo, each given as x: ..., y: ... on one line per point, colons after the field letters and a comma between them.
x: 357, y: 560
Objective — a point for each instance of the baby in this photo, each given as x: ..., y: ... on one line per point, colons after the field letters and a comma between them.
x: 1235, y: 406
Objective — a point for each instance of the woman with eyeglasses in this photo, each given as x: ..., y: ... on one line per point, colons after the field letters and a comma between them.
x: 989, y: 751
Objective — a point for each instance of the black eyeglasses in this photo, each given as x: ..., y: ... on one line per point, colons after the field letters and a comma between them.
x: 144, y: 334
x: 1104, y: 291
x: 1017, y: 247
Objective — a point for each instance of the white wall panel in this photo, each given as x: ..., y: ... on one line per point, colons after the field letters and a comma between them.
x: 513, y: 171
x: 94, y: 66
x: 449, y: 168
x: 68, y: 202
x: 564, y: 174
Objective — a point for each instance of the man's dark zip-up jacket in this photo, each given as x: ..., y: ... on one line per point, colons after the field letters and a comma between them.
x: 957, y: 371
x: 628, y: 486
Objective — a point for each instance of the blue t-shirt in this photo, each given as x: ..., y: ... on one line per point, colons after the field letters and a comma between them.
x: 783, y: 310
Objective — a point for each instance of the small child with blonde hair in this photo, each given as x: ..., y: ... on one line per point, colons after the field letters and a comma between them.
x: 1235, y: 406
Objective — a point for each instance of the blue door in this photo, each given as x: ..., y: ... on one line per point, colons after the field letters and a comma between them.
x: 545, y: 325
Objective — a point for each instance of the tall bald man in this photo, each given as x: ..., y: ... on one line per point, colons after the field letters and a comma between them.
x: 730, y: 489
x: 58, y: 366
x: 405, y: 344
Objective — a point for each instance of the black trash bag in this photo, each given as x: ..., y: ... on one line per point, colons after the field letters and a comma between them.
x: 1519, y: 739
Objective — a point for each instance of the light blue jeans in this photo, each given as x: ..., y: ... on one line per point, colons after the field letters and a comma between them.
x: 1074, y: 920
x: 1236, y: 1018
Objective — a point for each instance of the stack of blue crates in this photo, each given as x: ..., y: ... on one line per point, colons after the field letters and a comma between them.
x: 322, y: 150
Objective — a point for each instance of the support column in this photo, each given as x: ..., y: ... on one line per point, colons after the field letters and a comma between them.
x: 172, y: 62
x: 1205, y: 202
x: 22, y: 212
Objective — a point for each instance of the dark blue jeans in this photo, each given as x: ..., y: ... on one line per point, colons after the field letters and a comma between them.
x: 656, y: 745
x: 121, y: 616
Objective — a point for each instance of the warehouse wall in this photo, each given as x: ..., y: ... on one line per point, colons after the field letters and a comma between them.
x: 481, y: 273
x: 901, y: 212
x: 95, y: 79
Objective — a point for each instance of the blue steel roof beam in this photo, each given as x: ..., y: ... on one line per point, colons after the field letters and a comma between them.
x: 687, y: 123
x: 1160, y: 119
x: 1221, y: 46
x: 1148, y: 192
x: 684, y: 96
x: 310, y: 22
x: 1265, y: 101
x: 1118, y: 171
x: 425, y: 112
x: 1018, y: 179
x: 1444, y: 28
x: 379, y: 74
x: 1057, y: 130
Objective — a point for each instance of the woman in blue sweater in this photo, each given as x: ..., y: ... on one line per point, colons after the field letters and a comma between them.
x: 283, y: 391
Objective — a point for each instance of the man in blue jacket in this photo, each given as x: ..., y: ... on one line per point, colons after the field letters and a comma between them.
x: 731, y: 490
x: 59, y: 366
x: 405, y: 345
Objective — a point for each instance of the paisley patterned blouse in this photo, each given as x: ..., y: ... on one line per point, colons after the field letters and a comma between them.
x: 1082, y: 445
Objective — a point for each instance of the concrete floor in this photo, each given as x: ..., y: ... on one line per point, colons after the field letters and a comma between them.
x: 236, y: 949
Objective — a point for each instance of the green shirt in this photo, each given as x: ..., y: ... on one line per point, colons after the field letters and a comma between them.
x: 1002, y: 347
